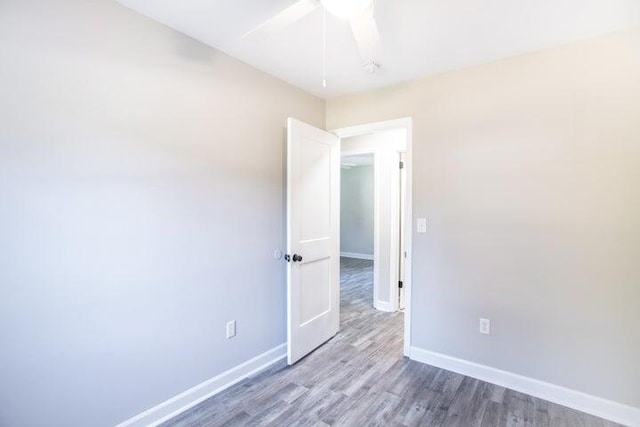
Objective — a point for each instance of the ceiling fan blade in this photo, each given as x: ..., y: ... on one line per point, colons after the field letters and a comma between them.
x: 365, y: 32
x: 288, y: 16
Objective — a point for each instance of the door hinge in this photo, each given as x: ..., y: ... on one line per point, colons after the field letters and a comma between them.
x: 401, y: 165
x: 400, y: 284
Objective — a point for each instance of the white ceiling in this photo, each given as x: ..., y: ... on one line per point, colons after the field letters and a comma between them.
x: 419, y: 37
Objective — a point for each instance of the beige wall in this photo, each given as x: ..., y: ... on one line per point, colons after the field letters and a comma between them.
x: 528, y: 172
x: 141, y: 199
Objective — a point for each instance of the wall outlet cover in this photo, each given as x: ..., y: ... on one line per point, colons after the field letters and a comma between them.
x: 231, y: 329
x: 485, y: 326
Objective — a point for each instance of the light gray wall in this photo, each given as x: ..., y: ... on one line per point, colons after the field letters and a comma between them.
x: 141, y: 198
x: 527, y: 171
x: 356, y: 210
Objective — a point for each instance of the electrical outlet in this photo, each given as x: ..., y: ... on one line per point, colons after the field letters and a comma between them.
x: 485, y: 326
x: 231, y: 329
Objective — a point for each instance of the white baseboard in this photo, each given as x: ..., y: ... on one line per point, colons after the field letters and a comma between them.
x: 383, y: 306
x: 188, y: 399
x: 356, y: 256
x: 607, y: 409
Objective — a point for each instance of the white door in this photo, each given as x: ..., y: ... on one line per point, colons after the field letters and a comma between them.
x: 313, y: 233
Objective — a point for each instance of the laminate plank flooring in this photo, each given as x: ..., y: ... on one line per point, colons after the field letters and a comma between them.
x: 360, y: 378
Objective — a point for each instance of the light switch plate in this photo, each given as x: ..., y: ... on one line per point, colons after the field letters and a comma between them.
x: 421, y: 226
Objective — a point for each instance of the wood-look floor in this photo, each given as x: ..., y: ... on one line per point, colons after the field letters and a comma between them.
x: 360, y: 378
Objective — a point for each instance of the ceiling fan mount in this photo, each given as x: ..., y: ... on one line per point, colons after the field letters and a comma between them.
x: 371, y: 67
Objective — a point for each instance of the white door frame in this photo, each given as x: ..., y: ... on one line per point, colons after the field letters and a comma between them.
x: 407, y: 124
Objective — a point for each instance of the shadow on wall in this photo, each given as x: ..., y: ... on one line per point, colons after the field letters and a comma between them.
x: 192, y: 50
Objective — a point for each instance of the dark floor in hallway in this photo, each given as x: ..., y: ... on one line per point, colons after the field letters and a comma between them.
x: 360, y: 378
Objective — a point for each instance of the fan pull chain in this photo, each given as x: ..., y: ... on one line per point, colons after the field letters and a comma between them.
x: 373, y: 31
x: 373, y: 66
x: 324, y: 47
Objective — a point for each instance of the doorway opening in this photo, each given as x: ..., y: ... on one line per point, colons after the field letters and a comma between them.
x: 375, y: 225
x: 314, y: 312
x: 357, y: 229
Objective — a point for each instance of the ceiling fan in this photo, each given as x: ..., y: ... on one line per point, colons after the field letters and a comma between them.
x: 359, y: 13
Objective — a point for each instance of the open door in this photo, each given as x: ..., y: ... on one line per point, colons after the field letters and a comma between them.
x: 313, y: 238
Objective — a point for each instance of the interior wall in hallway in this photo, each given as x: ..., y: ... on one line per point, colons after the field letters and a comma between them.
x: 356, y: 210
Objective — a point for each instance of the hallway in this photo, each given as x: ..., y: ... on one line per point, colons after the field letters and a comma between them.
x: 356, y: 286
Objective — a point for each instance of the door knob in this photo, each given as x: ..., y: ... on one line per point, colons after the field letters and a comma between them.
x: 297, y: 258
